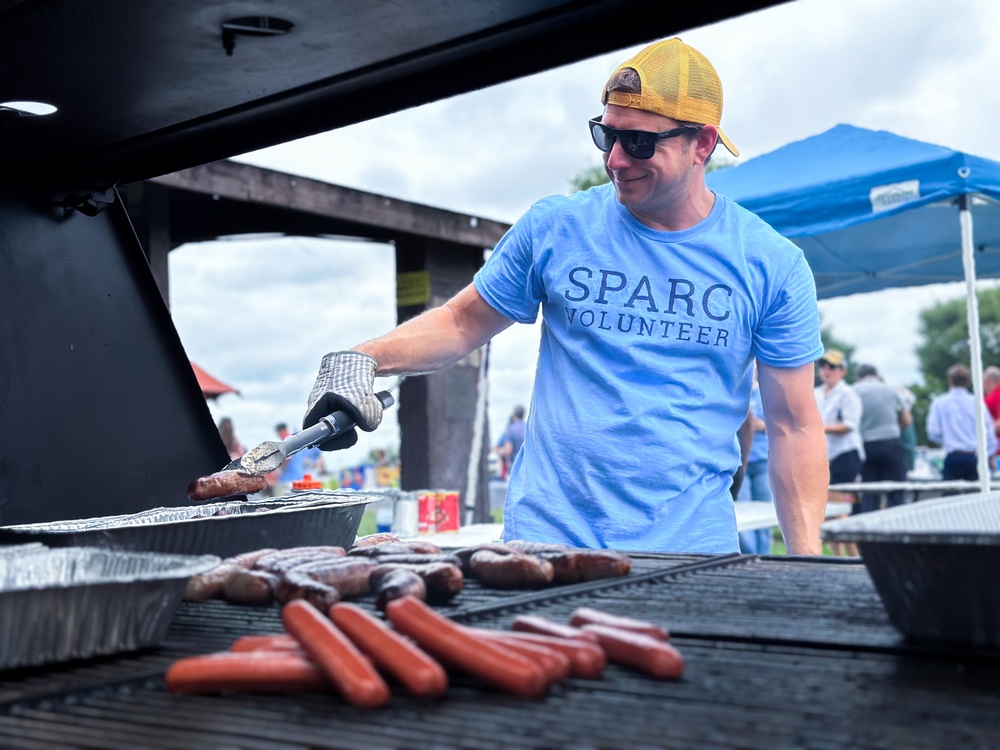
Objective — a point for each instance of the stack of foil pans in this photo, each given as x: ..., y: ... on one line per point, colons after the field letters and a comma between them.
x: 62, y: 604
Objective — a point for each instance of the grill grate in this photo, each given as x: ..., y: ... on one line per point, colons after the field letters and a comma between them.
x: 769, y: 664
x: 743, y: 695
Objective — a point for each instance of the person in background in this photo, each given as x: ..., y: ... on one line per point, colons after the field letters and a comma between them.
x: 951, y: 423
x: 306, y: 461
x: 756, y: 483
x: 908, y: 435
x: 991, y: 389
x: 509, y: 444
x: 656, y: 296
x: 229, y: 439
x: 841, y: 410
x: 884, y: 416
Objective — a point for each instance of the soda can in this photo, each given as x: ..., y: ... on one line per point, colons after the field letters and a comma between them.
x: 447, y: 518
x: 426, y: 512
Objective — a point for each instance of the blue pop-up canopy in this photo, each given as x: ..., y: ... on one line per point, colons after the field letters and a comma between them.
x: 873, y: 210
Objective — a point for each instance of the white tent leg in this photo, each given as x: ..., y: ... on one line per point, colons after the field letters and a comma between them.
x: 975, y: 349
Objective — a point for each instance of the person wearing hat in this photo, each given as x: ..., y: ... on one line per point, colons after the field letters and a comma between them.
x: 657, y: 295
x: 841, y: 409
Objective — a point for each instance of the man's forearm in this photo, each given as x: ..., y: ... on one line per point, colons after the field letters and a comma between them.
x: 436, y: 338
x: 800, y: 475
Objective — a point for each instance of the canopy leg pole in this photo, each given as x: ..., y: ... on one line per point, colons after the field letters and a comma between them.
x: 975, y: 350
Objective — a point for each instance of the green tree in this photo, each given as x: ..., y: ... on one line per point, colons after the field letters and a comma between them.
x: 588, y: 178
x: 595, y: 175
x: 945, y: 331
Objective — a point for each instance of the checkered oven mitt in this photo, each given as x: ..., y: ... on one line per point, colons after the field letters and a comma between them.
x: 345, y: 381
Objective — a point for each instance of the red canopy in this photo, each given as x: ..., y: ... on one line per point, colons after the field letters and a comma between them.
x: 211, y: 386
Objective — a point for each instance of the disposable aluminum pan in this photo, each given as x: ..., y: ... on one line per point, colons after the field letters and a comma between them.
x: 62, y: 604
x: 936, y: 566
x: 224, y: 528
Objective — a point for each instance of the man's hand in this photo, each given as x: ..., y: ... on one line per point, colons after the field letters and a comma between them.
x: 345, y: 381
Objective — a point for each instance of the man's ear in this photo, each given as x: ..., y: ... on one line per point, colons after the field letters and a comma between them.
x: 705, y: 142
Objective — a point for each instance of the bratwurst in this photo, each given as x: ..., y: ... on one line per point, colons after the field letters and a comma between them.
x: 224, y: 484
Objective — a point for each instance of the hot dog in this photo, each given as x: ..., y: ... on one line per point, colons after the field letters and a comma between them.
x: 587, y: 616
x: 586, y: 658
x: 510, y: 571
x: 257, y: 672
x: 340, y: 660
x: 454, y: 645
x: 224, y: 484
x: 397, y: 584
x: 544, y: 626
x: 394, y: 654
x: 554, y: 663
x: 642, y: 652
x: 273, y: 642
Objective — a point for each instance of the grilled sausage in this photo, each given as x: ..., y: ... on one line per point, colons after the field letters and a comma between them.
x: 283, y: 560
x: 224, y: 484
x: 443, y: 580
x: 510, y: 571
x: 533, y: 548
x: 351, y: 673
x: 586, y: 658
x: 391, y: 652
x: 349, y: 575
x: 417, y: 559
x: 256, y: 672
x: 587, y: 616
x: 209, y: 585
x: 249, y: 559
x: 642, y: 652
x: 396, y: 548
x: 372, y: 539
x: 544, y: 626
x: 293, y: 586
x: 576, y: 566
x: 466, y: 553
x: 397, y: 584
x: 250, y: 587
x: 455, y: 646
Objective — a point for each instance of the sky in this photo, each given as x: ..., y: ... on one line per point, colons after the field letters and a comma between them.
x: 913, y: 67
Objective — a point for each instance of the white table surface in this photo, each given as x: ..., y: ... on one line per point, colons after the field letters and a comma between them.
x: 749, y: 516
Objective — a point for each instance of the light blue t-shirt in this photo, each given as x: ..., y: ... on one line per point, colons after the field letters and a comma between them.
x: 644, y: 368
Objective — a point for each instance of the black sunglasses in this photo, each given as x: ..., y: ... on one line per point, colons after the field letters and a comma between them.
x: 639, y: 144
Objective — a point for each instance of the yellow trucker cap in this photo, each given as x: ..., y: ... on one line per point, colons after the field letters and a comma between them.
x: 676, y: 81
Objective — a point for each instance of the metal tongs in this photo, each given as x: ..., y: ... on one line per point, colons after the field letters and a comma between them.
x: 271, y: 454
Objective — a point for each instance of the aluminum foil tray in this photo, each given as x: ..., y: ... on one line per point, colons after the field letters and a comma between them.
x: 63, y: 604
x: 935, y: 565
x: 224, y: 528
